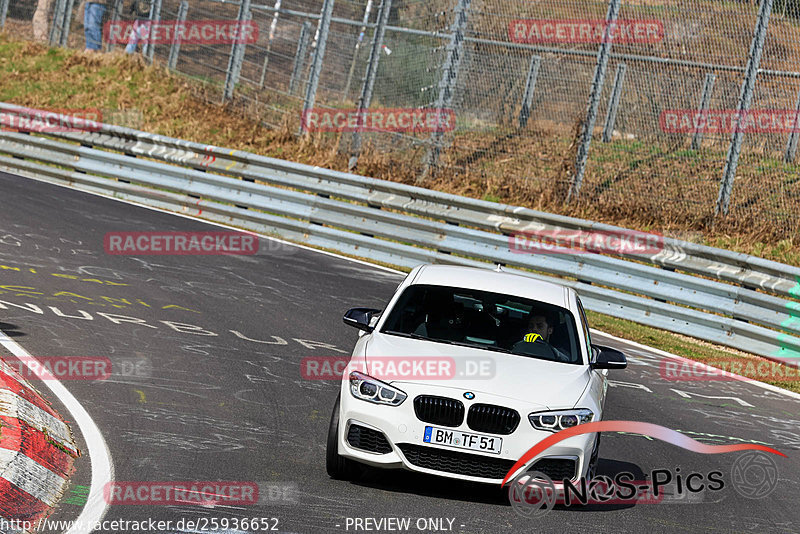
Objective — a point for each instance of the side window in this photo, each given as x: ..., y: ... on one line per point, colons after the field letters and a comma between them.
x: 585, y: 325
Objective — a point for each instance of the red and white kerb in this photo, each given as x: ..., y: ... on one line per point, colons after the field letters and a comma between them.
x: 37, y: 451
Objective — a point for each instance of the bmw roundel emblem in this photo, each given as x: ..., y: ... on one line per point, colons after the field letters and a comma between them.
x: 469, y: 395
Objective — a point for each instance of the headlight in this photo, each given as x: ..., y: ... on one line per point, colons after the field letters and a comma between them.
x: 366, y: 388
x: 561, y: 419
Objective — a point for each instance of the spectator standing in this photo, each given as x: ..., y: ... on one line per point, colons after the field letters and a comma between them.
x: 141, y: 25
x: 93, y: 24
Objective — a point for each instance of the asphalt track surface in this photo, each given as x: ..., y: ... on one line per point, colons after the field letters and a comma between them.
x: 201, y: 407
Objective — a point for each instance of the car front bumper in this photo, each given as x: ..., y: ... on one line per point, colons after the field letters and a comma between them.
x: 404, y: 433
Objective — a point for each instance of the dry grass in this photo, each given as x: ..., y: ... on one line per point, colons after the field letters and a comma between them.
x: 530, y: 170
x: 36, y: 76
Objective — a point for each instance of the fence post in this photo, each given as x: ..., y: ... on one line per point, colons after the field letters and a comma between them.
x: 237, y: 54
x: 365, y: 99
x: 705, y: 100
x: 745, y: 98
x: 113, y: 18
x: 613, y: 104
x: 530, y: 87
x: 67, y: 23
x: 364, y: 22
x: 3, y: 12
x: 794, y: 136
x: 175, y: 49
x: 594, y: 100
x: 155, y: 18
x: 300, y: 56
x: 272, y: 27
x: 447, y: 84
x: 316, y: 62
x: 58, y: 21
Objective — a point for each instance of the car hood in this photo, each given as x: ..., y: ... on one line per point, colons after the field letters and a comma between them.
x: 549, y: 384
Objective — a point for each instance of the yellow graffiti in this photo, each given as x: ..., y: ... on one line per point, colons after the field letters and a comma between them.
x: 69, y: 276
x: 72, y: 295
x: 112, y: 300
x: 142, y: 398
x: 178, y: 308
x: 233, y: 162
x: 93, y: 280
x: 102, y: 301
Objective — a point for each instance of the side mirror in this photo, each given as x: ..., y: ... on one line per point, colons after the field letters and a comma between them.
x: 607, y: 358
x: 360, y: 318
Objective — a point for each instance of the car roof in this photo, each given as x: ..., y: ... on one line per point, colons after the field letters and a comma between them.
x: 494, y: 281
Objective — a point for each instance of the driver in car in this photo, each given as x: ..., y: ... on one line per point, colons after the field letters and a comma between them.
x: 540, y: 328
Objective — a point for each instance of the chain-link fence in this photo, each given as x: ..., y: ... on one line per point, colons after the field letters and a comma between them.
x: 658, y: 111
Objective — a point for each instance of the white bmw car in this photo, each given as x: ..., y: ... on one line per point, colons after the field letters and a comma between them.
x: 463, y: 372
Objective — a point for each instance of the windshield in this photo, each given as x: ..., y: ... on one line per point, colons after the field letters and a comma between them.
x: 486, y: 320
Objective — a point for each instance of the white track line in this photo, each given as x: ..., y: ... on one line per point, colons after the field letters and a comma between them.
x: 99, y: 455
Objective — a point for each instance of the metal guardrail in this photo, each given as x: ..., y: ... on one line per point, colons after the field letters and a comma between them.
x: 716, y: 295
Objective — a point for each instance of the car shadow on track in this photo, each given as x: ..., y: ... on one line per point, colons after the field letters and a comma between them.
x: 11, y: 330
x: 609, y: 468
x: 401, y: 481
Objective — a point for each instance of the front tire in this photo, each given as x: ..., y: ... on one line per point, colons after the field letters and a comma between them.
x: 592, y: 472
x: 338, y: 467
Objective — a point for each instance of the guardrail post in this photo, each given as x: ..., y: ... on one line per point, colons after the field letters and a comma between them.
x: 447, y: 83
x: 365, y: 99
x: 237, y: 54
x: 794, y: 136
x: 705, y: 100
x: 58, y: 20
x: 272, y: 27
x: 319, y: 56
x: 155, y: 18
x: 594, y: 101
x: 113, y: 18
x: 363, y: 31
x: 613, y: 104
x: 3, y: 12
x: 66, y: 23
x: 745, y: 98
x: 530, y: 87
x: 175, y: 49
x: 300, y: 56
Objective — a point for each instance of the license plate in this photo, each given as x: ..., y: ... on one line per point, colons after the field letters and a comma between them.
x: 462, y: 440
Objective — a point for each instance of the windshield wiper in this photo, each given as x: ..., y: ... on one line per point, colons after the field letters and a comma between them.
x: 407, y: 334
x: 447, y: 341
x: 478, y: 346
